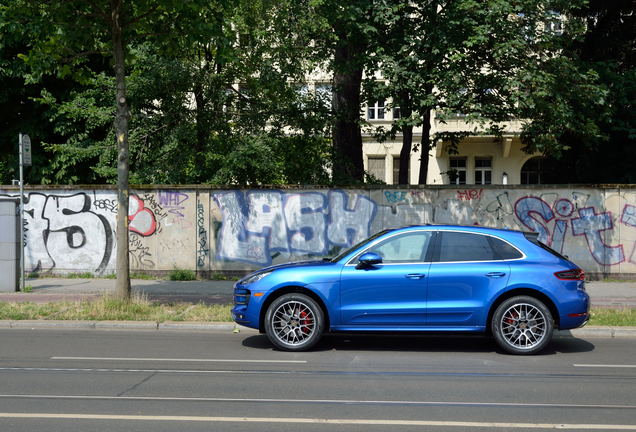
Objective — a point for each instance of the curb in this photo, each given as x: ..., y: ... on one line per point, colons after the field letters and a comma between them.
x: 585, y: 332
x: 115, y: 325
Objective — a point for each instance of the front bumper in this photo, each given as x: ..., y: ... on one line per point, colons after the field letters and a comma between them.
x: 246, y: 307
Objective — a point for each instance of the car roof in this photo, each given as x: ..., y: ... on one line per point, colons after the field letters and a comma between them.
x: 466, y: 228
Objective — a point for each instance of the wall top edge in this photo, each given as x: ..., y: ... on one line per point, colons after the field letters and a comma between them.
x: 304, y: 187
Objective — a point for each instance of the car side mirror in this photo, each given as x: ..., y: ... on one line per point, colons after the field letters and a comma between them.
x: 368, y: 259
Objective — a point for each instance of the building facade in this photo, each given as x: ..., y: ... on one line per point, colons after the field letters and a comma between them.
x: 480, y: 159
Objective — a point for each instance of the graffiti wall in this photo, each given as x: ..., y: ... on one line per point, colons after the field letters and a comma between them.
x: 75, y: 231
x: 239, y: 230
x: 595, y: 227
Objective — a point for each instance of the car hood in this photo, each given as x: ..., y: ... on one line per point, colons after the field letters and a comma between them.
x: 289, y: 265
x: 297, y: 264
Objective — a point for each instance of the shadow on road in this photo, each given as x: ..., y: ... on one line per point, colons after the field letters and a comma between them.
x: 422, y: 343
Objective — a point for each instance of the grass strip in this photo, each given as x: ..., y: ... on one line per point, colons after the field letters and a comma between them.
x: 112, y: 309
x: 613, y: 317
x: 139, y: 308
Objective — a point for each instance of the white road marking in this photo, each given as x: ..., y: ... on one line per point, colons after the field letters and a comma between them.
x: 375, y: 422
x: 137, y: 359
x: 604, y: 365
x: 317, y: 401
x: 176, y: 371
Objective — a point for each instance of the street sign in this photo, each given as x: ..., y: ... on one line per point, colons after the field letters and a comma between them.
x: 26, y: 150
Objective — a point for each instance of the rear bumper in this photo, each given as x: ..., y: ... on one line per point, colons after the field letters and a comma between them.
x: 575, y: 313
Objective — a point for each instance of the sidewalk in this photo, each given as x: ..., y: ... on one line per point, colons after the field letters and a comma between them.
x: 602, y: 294
x: 59, y: 289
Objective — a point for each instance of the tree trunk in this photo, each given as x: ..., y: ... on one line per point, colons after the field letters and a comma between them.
x: 407, y: 139
x: 348, y: 165
x: 201, y: 103
x: 200, y: 114
x: 121, y: 132
x: 425, y: 145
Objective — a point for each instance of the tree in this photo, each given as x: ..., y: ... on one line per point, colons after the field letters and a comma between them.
x: 68, y: 35
x: 343, y: 33
x: 20, y: 110
x: 463, y: 57
x: 586, y: 97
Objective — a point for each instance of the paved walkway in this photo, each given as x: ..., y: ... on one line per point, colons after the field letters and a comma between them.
x: 603, y: 294
x: 56, y: 289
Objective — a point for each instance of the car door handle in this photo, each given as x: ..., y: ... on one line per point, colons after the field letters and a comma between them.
x: 495, y: 274
x: 414, y: 276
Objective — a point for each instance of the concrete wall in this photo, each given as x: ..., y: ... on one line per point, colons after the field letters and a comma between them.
x: 223, y: 230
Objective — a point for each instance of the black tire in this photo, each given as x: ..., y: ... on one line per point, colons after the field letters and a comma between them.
x: 522, y: 325
x: 294, y: 322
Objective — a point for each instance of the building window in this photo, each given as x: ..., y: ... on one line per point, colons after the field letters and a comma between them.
x: 531, y: 171
x: 376, y: 167
x: 376, y: 111
x: 396, y: 170
x: 396, y: 113
x: 483, y: 170
x: 324, y: 93
x: 542, y: 170
x: 457, y: 171
x: 554, y: 24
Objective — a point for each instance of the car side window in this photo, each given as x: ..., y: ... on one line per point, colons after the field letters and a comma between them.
x: 460, y: 246
x: 503, y: 250
x: 405, y: 248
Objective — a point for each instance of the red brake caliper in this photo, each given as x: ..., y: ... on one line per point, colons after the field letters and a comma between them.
x: 305, y: 322
x: 511, y: 320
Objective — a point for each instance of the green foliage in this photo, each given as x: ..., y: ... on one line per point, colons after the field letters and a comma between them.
x: 182, y: 275
x: 468, y: 57
x: 613, y: 317
x: 187, y: 109
x: 582, y: 107
x: 227, y: 101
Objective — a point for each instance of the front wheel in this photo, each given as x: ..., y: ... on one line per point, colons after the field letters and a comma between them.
x: 522, y: 325
x: 294, y: 322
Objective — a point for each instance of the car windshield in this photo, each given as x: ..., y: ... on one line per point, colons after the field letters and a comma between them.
x: 359, y: 245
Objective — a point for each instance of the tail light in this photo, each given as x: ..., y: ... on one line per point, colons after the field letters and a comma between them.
x: 573, y: 274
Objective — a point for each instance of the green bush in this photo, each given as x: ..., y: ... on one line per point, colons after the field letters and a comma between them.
x: 182, y: 275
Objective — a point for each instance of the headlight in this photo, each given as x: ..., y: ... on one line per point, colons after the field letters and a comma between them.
x: 255, y: 278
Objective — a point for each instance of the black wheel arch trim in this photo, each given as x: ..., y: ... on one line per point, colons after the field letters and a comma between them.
x: 290, y: 290
x: 530, y: 292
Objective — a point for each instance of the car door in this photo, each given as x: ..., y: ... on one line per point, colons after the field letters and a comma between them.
x: 465, y: 273
x: 390, y: 294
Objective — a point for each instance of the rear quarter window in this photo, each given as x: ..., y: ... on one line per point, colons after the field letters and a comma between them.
x: 503, y: 250
x: 534, y: 238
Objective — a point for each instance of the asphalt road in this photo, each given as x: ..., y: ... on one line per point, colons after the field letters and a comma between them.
x: 52, y: 380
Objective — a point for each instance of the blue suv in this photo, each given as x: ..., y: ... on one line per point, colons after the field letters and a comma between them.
x: 422, y: 279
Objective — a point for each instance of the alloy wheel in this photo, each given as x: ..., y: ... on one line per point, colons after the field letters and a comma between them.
x: 293, y: 323
x: 523, y: 326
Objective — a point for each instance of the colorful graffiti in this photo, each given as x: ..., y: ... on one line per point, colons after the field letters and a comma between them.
x: 258, y: 224
x: 239, y: 230
x: 263, y: 227
x: 76, y: 231
x: 141, y: 220
x: 535, y: 214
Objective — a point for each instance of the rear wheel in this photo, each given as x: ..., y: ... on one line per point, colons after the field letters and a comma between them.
x: 294, y: 322
x: 522, y: 325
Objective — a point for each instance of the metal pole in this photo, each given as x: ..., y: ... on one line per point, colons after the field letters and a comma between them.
x: 21, y: 217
